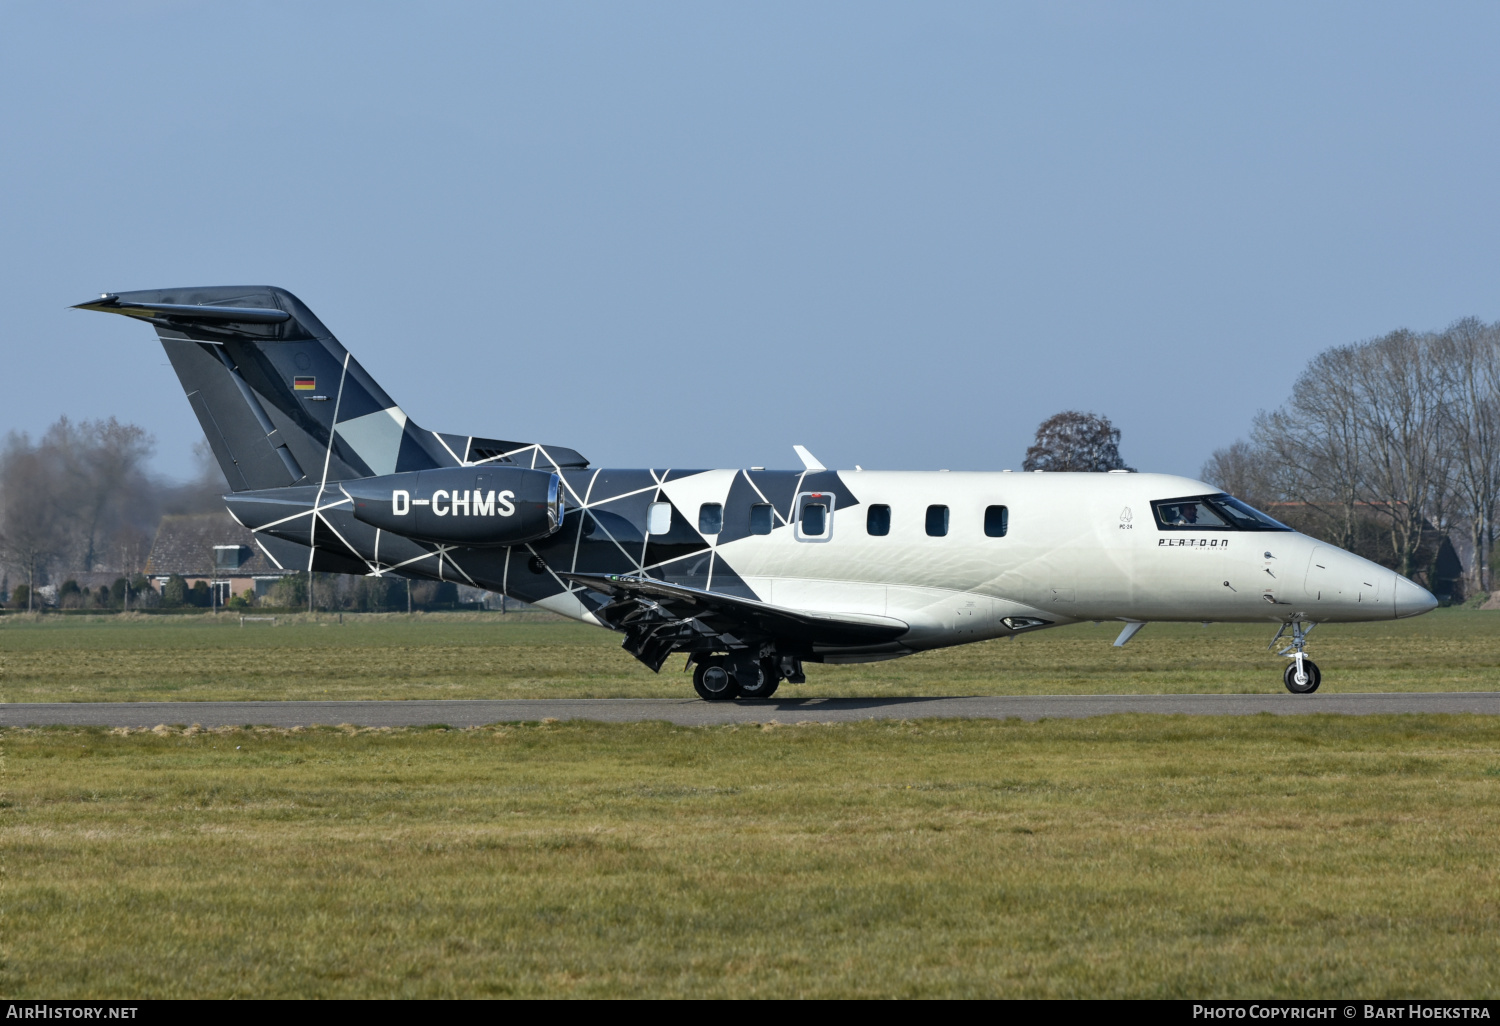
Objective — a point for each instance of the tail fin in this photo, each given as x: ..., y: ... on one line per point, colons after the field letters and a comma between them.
x: 283, y: 403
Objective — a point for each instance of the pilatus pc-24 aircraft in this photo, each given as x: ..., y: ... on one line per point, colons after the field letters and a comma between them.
x: 751, y: 573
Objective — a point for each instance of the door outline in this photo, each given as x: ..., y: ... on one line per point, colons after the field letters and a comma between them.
x: 823, y: 498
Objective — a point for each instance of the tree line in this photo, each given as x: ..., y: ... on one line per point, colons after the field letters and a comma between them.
x: 331, y: 593
x: 1384, y: 447
x: 80, y: 498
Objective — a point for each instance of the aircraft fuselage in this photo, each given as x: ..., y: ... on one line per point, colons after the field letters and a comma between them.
x: 748, y: 572
x: 923, y: 549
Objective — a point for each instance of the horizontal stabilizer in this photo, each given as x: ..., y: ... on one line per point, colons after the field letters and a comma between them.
x: 260, y: 312
x: 282, y: 403
x: 186, y: 312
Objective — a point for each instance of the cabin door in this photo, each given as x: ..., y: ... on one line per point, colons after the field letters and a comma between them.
x: 812, y: 517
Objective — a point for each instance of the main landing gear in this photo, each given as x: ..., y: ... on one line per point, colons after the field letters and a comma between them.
x: 712, y: 681
x: 1301, y: 676
x: 721, y: 679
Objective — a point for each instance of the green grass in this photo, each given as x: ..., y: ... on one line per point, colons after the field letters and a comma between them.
x: 490, y: 656
x: 1142, y: 856
x: 1127, y: 856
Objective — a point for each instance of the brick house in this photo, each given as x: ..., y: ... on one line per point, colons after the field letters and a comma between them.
x: 215, y: 549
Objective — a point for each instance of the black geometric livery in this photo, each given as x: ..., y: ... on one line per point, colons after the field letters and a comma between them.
x: 316, y: 454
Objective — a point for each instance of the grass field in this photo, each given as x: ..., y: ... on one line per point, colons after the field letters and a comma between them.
x: 1133, y: 856
x: 490, y: 656
x: 1127, y: 855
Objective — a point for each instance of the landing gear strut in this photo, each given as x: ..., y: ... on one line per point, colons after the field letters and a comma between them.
x: 1301, y: 676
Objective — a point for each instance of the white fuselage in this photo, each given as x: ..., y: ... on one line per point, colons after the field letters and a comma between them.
x: 1077, y: 547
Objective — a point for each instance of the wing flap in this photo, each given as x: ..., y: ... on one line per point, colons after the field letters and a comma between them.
x: 741, y: 616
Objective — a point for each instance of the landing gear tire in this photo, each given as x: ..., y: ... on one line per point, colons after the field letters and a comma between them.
x: 1309, y: 669
x: 756, y: 680
x: 713, y: 682
x: 1300, y: 665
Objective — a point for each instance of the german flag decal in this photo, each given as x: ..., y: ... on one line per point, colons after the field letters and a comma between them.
x: 302, y: 384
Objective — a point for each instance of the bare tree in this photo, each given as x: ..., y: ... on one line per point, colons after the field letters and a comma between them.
x: 1244, y: 471
x: 1470, y: 359
x: 1382, y: 442
x: 101, y: 482
x: 203, y: 492
x: 1402, y: 408
x: 1075, y: 441
x: 31, y: 534
x: 82, y: 496
x: 1314, y: 445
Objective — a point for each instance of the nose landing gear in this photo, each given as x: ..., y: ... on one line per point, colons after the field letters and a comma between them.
x: 1301, y: 675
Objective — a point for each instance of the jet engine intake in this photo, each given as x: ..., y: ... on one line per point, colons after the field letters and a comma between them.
x: 477, y: 506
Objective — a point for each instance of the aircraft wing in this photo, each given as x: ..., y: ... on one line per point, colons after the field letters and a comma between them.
x: 637, y: 598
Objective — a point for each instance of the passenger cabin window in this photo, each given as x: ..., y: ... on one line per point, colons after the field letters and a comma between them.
x: 996, y: 521
x: 762, y: 518
x: 814, y: 516
x: 1211, y: 513
x: 937, y: 521
x: 659, y: 518
x: 710, y: 518
x: 878, y: 520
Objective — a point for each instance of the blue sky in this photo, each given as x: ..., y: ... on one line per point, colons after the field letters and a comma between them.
x: 695, y: 234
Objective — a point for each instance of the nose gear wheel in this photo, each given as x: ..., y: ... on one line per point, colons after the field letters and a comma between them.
x: 1301, y: 675
x: 1311, y: 677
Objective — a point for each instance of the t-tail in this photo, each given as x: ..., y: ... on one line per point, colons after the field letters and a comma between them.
x: 282, y: 403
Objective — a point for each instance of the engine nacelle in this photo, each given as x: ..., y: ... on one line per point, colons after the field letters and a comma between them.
x: 478, y: 506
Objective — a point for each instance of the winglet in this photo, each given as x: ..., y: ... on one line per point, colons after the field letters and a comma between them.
x: 808, y: 459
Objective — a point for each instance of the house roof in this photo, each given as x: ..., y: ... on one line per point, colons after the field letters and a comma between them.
x: 185, y: 545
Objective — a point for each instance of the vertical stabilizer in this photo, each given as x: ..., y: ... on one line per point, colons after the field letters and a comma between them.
x: 280, y: 401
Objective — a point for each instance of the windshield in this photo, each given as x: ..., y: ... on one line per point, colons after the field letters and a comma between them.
x: 1245, y: 516
x: 1189, y: 513
x: 1211, y: 513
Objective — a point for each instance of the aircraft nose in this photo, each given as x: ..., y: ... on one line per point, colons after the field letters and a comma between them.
x: 1412, y: 599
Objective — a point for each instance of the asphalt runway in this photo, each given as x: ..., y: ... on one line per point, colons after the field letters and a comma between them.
x: 692, y: 712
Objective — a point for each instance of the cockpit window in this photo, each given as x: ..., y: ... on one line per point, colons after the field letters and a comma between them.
x: 1211, y: 513
x: 1245, y: 516
x: 1188, y: 515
